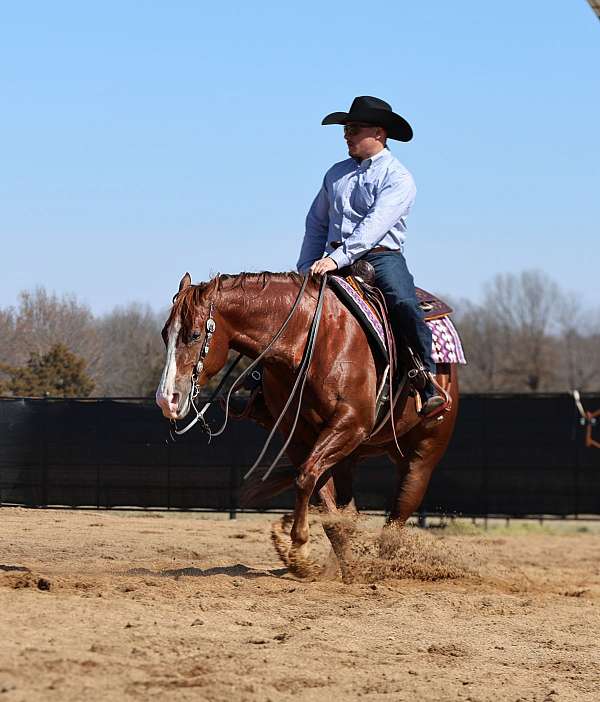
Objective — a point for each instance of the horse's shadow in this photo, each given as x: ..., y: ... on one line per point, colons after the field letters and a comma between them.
x: 10, y: 568
x: 235, y: 571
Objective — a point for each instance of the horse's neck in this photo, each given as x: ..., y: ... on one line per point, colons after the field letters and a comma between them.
x: 255, y: 314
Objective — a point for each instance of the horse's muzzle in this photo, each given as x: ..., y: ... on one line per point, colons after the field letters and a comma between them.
x: 172, y: 406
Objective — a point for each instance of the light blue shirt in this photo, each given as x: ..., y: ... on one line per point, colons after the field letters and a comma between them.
x: 363, y: 205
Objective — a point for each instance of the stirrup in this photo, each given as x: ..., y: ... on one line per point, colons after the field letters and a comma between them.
x: 437, y: 405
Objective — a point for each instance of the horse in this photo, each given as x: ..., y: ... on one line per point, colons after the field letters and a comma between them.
x: 243, y: 313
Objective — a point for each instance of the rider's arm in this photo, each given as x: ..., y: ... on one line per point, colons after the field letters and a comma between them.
x: 392, y: 202
x: 315, y: 236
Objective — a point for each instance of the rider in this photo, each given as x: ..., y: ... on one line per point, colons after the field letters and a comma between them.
x: 360, y: 213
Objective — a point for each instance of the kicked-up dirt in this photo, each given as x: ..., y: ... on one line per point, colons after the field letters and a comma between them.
x: 143, y: 606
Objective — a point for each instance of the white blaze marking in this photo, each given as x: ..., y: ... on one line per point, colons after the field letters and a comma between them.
x: 166, y: 387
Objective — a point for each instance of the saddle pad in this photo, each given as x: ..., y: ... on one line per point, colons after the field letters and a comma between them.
x: 446, y: 344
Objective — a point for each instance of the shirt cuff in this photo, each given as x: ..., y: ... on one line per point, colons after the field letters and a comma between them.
x: 340, y: 257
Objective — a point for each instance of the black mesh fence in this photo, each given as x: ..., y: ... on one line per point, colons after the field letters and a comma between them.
x: 511, y: 455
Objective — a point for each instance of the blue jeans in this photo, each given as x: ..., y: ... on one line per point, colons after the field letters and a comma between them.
x: 395, y: 281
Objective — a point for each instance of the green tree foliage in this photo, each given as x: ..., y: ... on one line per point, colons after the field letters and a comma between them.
x: 57, y: 373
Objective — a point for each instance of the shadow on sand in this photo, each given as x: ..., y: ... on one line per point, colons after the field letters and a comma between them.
x: 235, y: 571
x: 8, y: 568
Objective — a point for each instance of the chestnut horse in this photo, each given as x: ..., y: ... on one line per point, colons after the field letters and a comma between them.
x: 339, y: 403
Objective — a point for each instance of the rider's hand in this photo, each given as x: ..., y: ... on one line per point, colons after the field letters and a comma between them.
x: 323, y: 265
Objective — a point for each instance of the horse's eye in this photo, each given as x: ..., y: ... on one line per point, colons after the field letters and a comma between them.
x: 195, y: 336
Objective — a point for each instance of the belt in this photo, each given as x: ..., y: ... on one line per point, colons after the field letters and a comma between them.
x: 382, y: 249
x: 375, y: 250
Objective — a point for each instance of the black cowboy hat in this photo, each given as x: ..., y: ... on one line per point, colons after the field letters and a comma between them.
x: 373, y: 111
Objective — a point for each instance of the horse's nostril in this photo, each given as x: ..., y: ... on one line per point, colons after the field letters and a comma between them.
x: 175, y: 398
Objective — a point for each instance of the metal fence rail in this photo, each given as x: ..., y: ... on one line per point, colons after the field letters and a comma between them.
x: 513, y: 455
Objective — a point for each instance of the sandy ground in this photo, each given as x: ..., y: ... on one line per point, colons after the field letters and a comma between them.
x: 138, y: 606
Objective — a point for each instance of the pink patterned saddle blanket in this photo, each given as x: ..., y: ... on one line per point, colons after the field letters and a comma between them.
x: 446, y: 344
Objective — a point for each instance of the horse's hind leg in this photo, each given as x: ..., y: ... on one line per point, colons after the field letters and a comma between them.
x: 413, y: 478
x: 424, y: 448
x: 414, y: 473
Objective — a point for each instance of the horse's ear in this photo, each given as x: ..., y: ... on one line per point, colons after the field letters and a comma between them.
x: 185, y: 282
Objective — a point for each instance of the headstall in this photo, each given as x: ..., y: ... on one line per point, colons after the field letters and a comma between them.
x: 210, y: 327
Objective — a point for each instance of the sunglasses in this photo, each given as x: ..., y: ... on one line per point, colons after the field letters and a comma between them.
x: 355, y: 128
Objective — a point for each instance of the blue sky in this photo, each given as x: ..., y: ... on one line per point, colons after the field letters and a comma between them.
x: 143, y: 139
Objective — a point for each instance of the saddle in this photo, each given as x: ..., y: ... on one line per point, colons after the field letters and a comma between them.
x: 354, y: 286
x: 362, y: 273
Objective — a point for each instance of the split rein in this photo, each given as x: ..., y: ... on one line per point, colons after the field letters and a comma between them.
x: 298, y: 386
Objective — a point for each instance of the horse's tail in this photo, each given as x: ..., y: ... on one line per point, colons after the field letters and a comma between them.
x: 256, y: 492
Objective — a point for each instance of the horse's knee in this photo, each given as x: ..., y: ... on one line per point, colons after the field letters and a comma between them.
x: 306, y: 482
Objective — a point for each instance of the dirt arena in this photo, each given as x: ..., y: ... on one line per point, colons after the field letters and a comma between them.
x: 142, y: 606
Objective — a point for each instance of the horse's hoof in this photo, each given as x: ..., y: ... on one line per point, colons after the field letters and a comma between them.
x: 331, y: 569
x: 348, y: 574
x: 281, y: 540
x: 301, y: 565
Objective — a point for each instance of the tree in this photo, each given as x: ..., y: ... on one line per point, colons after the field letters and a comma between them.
x: 42, y: 320
x: 528, y: 334
x: 527, y: 307
x: 132, y: 352
x: 481, y: 336
x: 579, y: 348
x: 58, y: 373
x: 7, y: 335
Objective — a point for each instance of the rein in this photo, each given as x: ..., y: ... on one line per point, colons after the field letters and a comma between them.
x: 299, y: 382
x: 200, y: 413
x: 298, y: 386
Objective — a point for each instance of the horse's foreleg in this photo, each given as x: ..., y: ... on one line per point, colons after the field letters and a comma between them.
x: 332, y: 446
x: 338, y: 500
x: 329, y: 504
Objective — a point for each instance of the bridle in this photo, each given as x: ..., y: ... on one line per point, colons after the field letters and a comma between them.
x: 209, y: 330
x: 297, y: 389
x: 210, y: 327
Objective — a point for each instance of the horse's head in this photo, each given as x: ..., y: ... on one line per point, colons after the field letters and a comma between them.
x: 197, y: 347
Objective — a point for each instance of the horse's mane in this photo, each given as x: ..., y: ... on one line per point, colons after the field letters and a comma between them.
x: 186, y: 301
x: 226, y: 281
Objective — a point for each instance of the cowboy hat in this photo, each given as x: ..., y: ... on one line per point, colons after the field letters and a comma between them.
x: 373, y: 111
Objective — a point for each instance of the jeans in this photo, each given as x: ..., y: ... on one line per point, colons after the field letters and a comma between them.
x: 395, y: 281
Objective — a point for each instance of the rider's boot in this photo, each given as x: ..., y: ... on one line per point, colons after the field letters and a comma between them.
x: 431, y: 398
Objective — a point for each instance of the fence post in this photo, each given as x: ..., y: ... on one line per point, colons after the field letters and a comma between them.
x: 44, y: 452
x: 485, y: 467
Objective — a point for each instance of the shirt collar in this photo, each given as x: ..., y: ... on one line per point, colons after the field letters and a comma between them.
x: 369, y: 161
